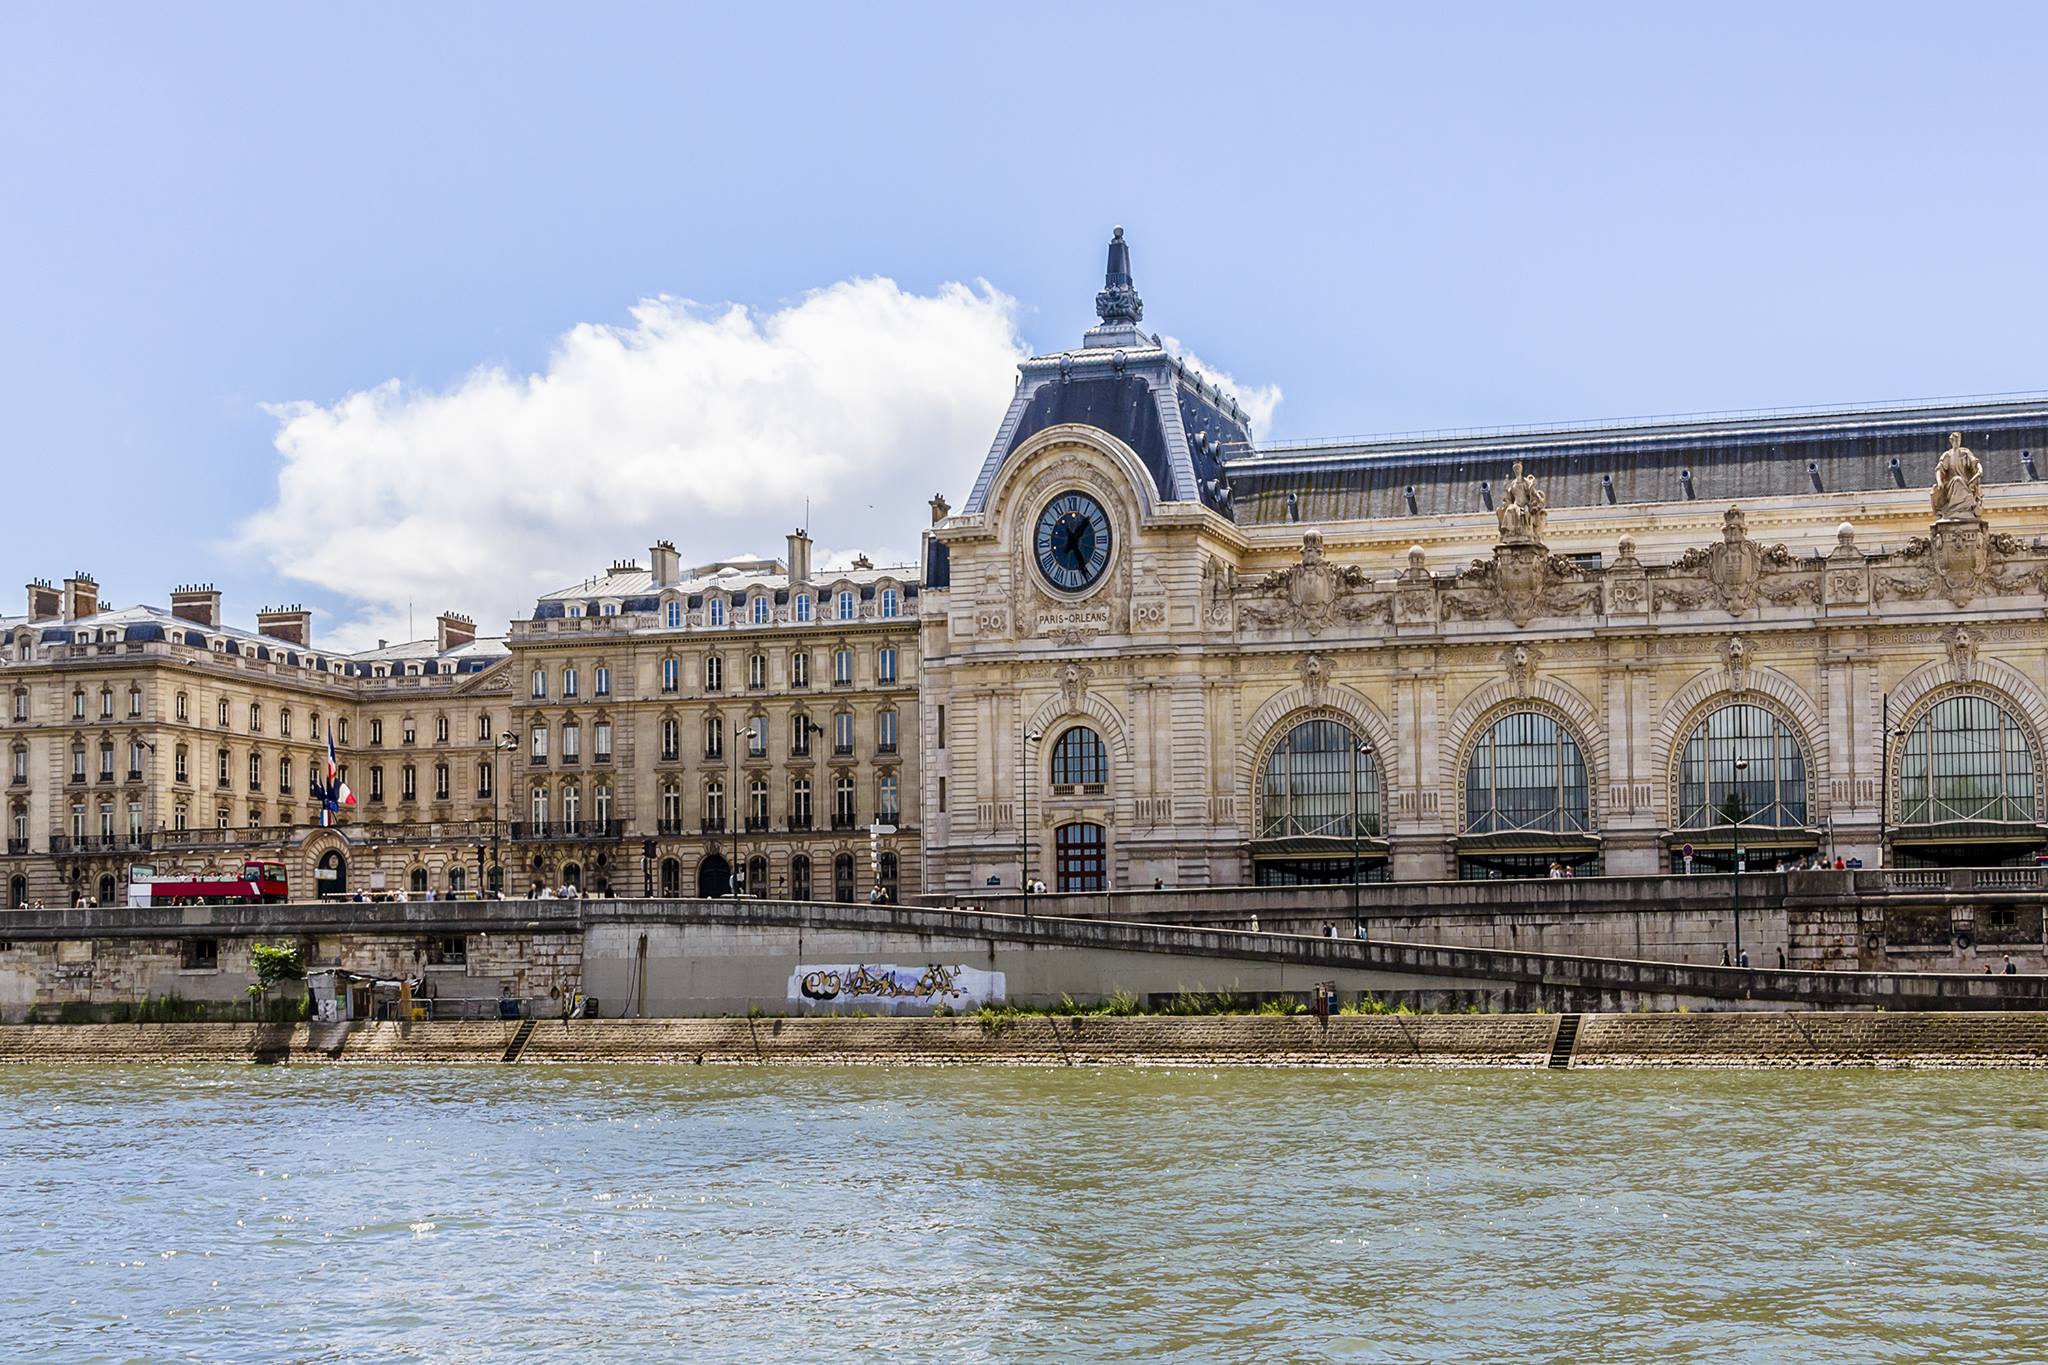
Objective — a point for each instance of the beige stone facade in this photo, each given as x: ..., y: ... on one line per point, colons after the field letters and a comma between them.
x: 1801, y: 635
x: 675, y: 722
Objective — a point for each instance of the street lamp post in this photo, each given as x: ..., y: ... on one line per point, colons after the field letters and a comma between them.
x: 743, y: 730
x: 1364, y: 753
x: 1024, y: 817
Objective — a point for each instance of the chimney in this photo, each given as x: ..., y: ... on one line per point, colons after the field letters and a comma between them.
x: 292, y: 624
x: 799, y: 557
x: 81, y: 596
x: 668, y: 565
x: 452, y: 631
x: 198, y: 603
x: 940, y: 507
x: 45, y: 603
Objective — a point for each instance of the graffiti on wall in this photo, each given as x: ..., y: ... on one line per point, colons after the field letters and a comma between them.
x: 890, y: 987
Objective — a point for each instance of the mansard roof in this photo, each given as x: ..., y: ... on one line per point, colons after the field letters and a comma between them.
x: 1711, y: 458
x: 1126, y: 384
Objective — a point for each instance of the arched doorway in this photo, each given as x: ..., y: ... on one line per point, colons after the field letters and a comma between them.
x: 714, y: 877
x: 330, y: 874
x: 572, y: 875
x: 106, y: 889
x: 671, y: 878
x: 418, y: 881
x: 757, y: 877
x: 800, y: 878
x: 17, y: 891
x: 842, y: 878
x: 458, y: 881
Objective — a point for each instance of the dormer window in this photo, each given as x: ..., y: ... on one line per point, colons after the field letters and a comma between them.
x: 760, y: 609
x: 674, y: 615
x: 716, y: 611
x: 888, y: 603
x: 846, y: 605
x: 803, y: 606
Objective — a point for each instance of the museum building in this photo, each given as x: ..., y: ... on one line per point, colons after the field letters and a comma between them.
x: 1155, y: 650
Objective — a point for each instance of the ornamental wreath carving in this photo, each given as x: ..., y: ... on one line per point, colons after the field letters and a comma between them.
x: 1307, y: 594
x: 1520, y: 582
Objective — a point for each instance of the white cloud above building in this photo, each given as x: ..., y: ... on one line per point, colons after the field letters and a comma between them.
x: 707, y: 426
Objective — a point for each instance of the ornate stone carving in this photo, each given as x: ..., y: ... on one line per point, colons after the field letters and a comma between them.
x: 1314, y: 675
x: 1958, y: 490
x: 1148, y: 613
x: 1304, y: 594
x: 990, y: 620
x: 1735, y: 658
x: 1519, y: 661
x: 1962, y: 651
x: 1521, y: 513
x: 1073, y: 683
x: 1520, y: 582
x: 1219, y: 581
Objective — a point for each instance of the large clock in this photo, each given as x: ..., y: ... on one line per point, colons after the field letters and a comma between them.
x: 1072, y: 542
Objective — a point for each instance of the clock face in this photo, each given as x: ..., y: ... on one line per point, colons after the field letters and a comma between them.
x: 1072, y: 542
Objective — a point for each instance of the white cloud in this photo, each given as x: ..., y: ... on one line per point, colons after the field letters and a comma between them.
x: 707, y: 427
x: 1257, y: 400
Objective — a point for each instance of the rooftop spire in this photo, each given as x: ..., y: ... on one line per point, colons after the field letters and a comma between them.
x: 1119, y: 301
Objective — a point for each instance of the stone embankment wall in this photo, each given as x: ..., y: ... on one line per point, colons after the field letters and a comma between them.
x: 1448, y: 1041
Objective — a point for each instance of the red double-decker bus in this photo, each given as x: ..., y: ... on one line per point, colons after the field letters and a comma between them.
x: 260, y: 883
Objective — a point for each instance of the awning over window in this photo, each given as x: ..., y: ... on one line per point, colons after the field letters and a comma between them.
x: 1972, y: 832
x: 1753, y: 836
x: 1527, y: 841
x: 1316, y: 846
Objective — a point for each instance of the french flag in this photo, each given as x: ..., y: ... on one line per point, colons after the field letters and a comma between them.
x: 333, y: 793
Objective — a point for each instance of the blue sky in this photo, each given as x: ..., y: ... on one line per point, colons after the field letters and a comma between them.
x: 1402, y: 218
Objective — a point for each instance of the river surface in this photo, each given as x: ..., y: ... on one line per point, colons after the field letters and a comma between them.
x: 1005, y: 1214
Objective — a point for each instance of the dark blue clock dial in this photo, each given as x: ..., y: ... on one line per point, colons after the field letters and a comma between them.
x: 1072, y: 542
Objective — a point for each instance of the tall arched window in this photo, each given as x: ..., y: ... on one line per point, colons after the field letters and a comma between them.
x: 671, y: 878
x: 1967, y: 785
x: 1322, y: 781
x: 1527, y: 774
x: 757, y: 875
x: 800, y: 878
x: 1768, y: 788
x: 1079, y: 760
x: 842, y: 878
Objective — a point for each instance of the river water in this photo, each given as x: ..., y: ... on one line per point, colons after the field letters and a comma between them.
x: 1004, y: 1214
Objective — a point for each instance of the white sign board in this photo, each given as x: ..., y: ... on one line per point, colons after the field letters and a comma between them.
x: 893, y: 989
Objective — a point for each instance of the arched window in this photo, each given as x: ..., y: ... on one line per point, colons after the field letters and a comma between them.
x: 671, y: 877
x: 17, y: 892
x: 1078, y: 857
x: 458, y: 880
x: 1322, y: 781
x: 671, y: 674
x: 671, y: 740
x: 419, y: 879
x: 1079, y: 760
x: 757, y: 873
x: 842, y: 878
x: 800, y: 878
x: 1527, y: 774
x: 106, y: 889
x: 886, y: 876
x: 1967, y: 770
x: 1742, y: 765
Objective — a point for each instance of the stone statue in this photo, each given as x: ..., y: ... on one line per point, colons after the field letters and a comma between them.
x: 1521, y: 511
x: 1958, y: 492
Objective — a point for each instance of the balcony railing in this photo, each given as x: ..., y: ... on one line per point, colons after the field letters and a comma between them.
x: 799, y: 824
x: 93, y: 843
x: 530, y: 830
x: 135, y: 774
x: 712, y: 824
x: 844, y: 822
x: 757, y: 824
x: 667, y: 826
x: 17, y: 846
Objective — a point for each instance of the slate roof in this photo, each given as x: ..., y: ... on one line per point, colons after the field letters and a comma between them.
x: 1714, y: 459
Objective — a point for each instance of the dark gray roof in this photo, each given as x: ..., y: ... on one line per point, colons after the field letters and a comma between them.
x: 1712, y: 459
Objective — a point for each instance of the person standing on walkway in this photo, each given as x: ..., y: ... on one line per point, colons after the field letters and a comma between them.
x: 2011, y: 968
